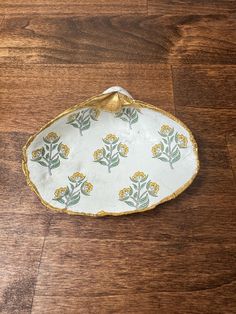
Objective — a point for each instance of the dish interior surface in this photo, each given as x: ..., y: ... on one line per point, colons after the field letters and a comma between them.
x: 94, y: 162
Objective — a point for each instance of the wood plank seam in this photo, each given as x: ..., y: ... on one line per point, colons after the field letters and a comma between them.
x: 40, y: 259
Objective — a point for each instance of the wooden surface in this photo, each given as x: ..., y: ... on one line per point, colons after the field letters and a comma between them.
x: 179, y: 258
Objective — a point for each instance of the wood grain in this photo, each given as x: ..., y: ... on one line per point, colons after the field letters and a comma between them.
x: 139, y: 303
x: 190, y: 39
x: 179, y: 258
x: 82, y: 7
x: 231, y: 141
x: 184, y: 7
x: 205, y: 87
x: 38, y: 93
x: 111, y: 267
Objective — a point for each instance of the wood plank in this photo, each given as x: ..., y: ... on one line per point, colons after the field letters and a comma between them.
x: 38, y: 93
x: 82, y: 7
x: 19, y: 262
x: 98, y: 268
x: 191, y: 39
x: 205, y: 87
x: 231, y: 140
x: 19, y: 200
x: 217, y: 301
x: 185, y: 7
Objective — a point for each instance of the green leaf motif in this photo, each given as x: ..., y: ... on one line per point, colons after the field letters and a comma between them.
x: 129, y: 114
x: 55, y: 151
x: 82, y: 119
x: 111, y: 153
x: 138, y: 194
x: 71, y: 194
x: 170, y: 145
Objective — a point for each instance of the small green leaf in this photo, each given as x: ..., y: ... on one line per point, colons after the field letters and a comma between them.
x: 130, y: 203
x: 85, y: 127
x: 124, y: 119
x: 144, y: 198
x: 47, y: 147
x: 73, y: 202
x: 135, y: 194
x: 144, y: 205
x: 54, y: 161
x: 103, y: 162
x: 42, y: 163
x: 118, y: 114
x: 176, y: 158
x: 142, y: 185
x: 60, y: 200
x: 163, y: 159
x: 134, y: 120
x: 114, y: 164
x: 175, y: 153
x: 55, y: 165
x: 75, y: 125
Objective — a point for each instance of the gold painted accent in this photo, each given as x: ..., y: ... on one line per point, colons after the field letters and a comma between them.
x: 112, y: 102
x: 117, y: 102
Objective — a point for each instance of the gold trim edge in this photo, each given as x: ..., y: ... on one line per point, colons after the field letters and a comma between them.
x: 92, y: 102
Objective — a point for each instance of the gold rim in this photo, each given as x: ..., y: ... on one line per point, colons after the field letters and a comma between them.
x: 93, y: 102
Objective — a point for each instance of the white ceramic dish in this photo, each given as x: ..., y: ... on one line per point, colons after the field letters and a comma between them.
x: 110, y: 155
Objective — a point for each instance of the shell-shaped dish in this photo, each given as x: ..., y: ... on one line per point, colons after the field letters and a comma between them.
x: 110, y: 155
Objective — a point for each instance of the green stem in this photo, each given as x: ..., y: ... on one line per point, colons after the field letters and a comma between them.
x: 50, y: 158
x: 80, y: 122
x: 170, y: 156
x: 138, y: 195
x: 110, y: 158
x: 129, y: 119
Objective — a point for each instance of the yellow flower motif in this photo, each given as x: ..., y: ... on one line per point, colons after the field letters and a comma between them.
x: 52, y: 137
x: 64, y: 150
x: 139, y: 176
x: 165, y: 130
x: 182, y: 140
x: 77, y: 176
x: 72, y: 117
x: 124, y: 193
x: 60, y: 192
x: 153, y: 188
x: 87, y: 187
x: 110, y: 138
x: 156, y: 150
x: 123, y: 149
x: 38, y: 153
x: 98, y: 154
x: 94, y: 114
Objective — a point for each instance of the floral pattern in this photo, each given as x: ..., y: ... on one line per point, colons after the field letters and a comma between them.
x: 168, y: 150
x: 70, y: 195
x: 49, y: 155
x: 82, y: 119
x: 109, y: 155
x: 129, y: 115
x: 138, y: 193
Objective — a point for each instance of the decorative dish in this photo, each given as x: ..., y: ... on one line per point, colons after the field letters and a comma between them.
x: 110, y: 155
